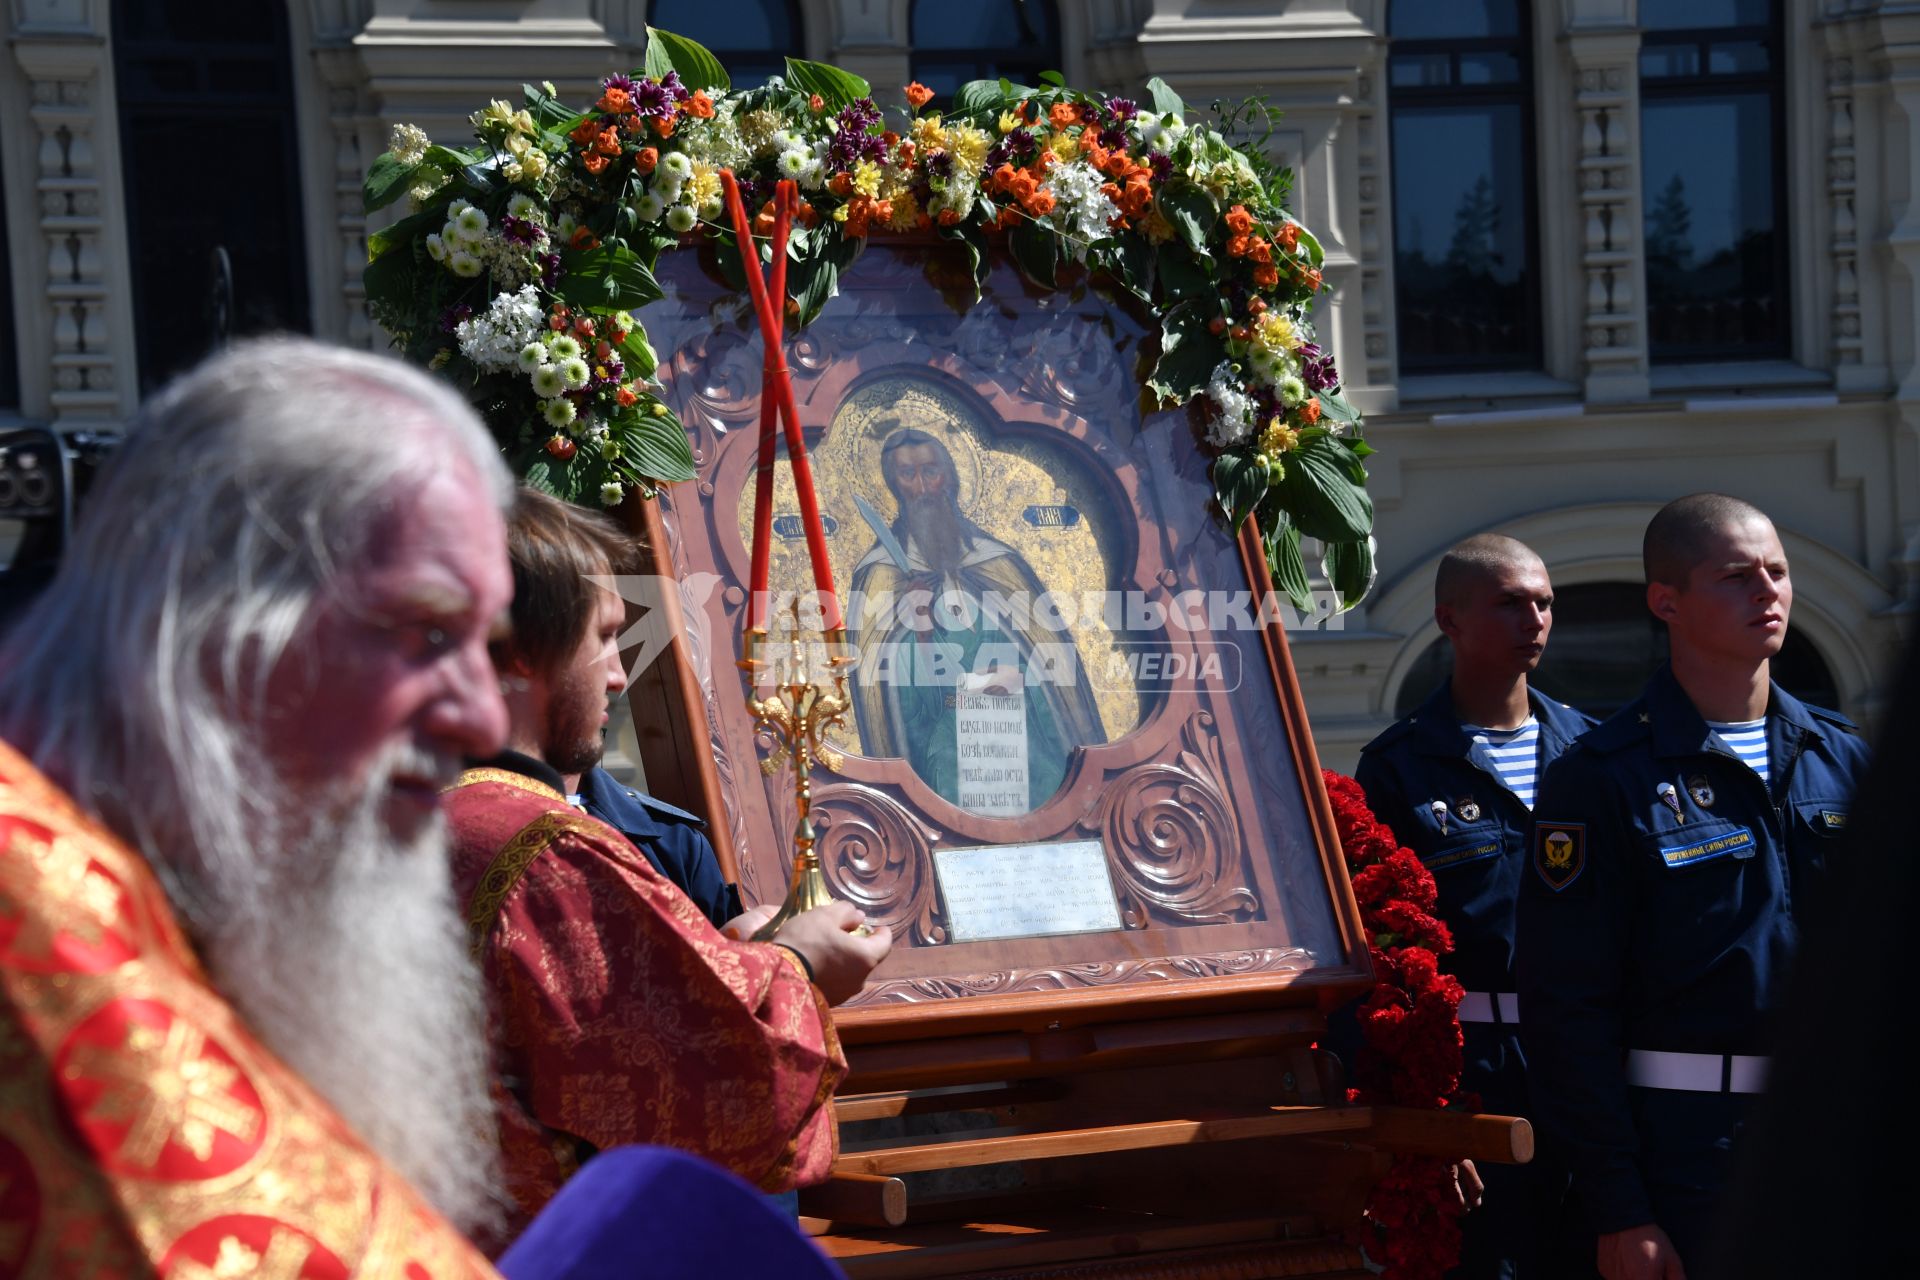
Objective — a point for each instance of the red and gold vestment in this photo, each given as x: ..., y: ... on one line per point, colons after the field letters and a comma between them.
x: 143, y: 1130
x: 624, y: 1015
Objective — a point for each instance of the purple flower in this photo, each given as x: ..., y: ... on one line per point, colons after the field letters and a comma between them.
x: 518, y: 230
x: 998, y: 154
x: 1162, y: 165
x: 650, y: 99
x: 620, y: 82
x: 1122, y: 110
x: 1316, y: 368
x: 671, y: 83
x: 550, y: 269
x: 940, y: 164
x: 453, y: 315
x: 1113, y: 138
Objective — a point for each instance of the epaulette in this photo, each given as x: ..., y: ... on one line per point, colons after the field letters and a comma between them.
x: 1833, y: 718
x: 661, y: 809
x: 1623, y: 729
x: 1390, y: 735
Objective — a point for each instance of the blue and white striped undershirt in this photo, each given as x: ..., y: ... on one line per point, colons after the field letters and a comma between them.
x: 1746, y: 739
x: 1515, y: 754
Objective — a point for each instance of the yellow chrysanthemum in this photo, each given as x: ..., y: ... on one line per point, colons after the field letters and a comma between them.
x: 1064, y: 146
x: 968, y: 146
x: 1009, y: 122
x: 1279, y: 438
x: 704, y: 186
x: 1276, y: 333
x: 906, y: 211
x: 866, y: 179
x: 927, y: 133
x: 1159, y: 230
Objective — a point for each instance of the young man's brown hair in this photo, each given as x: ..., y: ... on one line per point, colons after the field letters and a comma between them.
x: 557, y: 549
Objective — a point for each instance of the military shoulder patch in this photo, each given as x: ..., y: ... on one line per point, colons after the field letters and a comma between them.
x: 1559, y: 852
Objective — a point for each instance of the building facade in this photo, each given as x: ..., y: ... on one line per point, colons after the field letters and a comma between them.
x: 1585, y: 255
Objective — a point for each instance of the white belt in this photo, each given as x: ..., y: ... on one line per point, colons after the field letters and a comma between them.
x: 1490, y: 1006
x: 1697, y: 1072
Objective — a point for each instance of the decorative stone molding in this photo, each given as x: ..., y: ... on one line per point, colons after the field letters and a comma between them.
x: 1607, y: 174
x: 1376, y: 259
x: 1843, y: 244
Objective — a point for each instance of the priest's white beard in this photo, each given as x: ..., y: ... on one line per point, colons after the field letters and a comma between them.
x: 347, y: 956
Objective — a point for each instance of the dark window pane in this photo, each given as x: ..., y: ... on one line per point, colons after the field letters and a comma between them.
x: 1461, y: 251
x: 1686, y: 15
x: 1419, y: 70
x: 1605, y: 646
x: 1441, y: 19
x: 1658, y: 61
x: 982, y: 24
x: 9, y: 354
x: 764, y: 26
x: 1739, y: 57
x: 1489, y: 68
x: 1716, y: 281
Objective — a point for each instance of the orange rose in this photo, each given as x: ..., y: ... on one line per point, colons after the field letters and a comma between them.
x: 1239, y: 221
x: 1313, y: 278
x: 626, y: 397
x: 584, y: 239
x: 699, y: 106
x: 949, y: 217
x: 1266, y: 277
x: 1237, y: 246
x: 646, y: 158
x: 841, y: 184
x: 608, y: 143
x: 1289, y: 236
x: 1311, y: 410
x: 763, y: 221
x: 1062, y: 114
x: 918, y: 95
x: 1261, y: 251
x: 663, y: 125
x: 806, y: 215
x: 1256, y: 306
x: 816, y: 104
x: 594, y: 162
x: 586, y: 131
x: 614, y: 102
x: 1040, y: 204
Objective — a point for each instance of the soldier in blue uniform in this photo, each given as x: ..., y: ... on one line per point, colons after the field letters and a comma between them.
x: 1677, y: 851
x: 1455, y: 781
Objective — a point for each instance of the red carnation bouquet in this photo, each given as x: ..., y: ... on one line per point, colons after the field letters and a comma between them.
x: 1410, y: 1035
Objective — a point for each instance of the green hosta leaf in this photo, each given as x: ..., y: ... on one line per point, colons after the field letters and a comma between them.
x: 1349, y: 568
x: 836, y: 87
x: 451, y: 160
x: 1130, y: 260
x: 1335, y: 406
x: 1037, y: 250
x: 1164, y: 100
x: 638, y: 354
x: 975, y: 239
x: 658, y: 449
x: 981, y: 96
x: 698, y: 68
x: 1281, y: 539
x: 386, y: 182
x: 1188, y: 354
x: 1182, y: 275
x: 1192, y: 213
x: 1053, y: 78
x: 610, y: 278
x: 1322, y: 495
x: 813, y: 280
x: 404, y: 232
x: 537, y: 474
x: 1239, y: 482
x: 1315, y: 253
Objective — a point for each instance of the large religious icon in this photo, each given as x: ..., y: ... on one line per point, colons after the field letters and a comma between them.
x: 1075, y: 758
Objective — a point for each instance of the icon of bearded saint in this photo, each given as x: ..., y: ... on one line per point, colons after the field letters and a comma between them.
x: 985, y: 701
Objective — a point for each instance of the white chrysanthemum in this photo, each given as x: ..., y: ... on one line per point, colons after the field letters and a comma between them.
x: 494, y: 338
x: 793, y: 163
x: 548, y: 382
x: 1292, y: 391
x: 409, y: 143
x: 464, y: 264
x: 649, y: 207
x: 1233, y: 411
x: 676, y: 166
x: 575, y: 372
x: 523, y: 206
x: 558, y: 412
x: 789, y: 140
x: 470, y: 223
x: 681, y: 219
x: 565, y: 225
x: 532, y: 356
x: 563, y: 346
x: 611, y: 493
x: 436, y: 247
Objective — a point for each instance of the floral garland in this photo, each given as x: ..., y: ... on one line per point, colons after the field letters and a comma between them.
x: 1410, y: 1031
x: 520, y: 268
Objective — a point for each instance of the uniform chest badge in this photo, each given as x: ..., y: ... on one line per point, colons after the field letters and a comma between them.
x: 1439, y: 810
x: 1468, y: 809
x: 1671, y: 798
x: 1702, y: 793
x: 1559, y: 852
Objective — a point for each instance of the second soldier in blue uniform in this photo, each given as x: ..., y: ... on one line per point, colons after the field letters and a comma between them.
x: 1455, y: 781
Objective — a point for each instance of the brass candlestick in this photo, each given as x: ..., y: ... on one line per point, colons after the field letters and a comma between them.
x: 798, y: 713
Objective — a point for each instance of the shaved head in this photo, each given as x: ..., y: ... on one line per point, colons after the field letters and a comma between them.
x: 1682, y: 533
x: 1476, y: 560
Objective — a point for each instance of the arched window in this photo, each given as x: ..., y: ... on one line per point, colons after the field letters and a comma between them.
x: 1713, y: 179
x: 982, y: 40
x: 752, y: 38
x: 1466, y: 257
x: 1604, y: 647
x: 207, y: 266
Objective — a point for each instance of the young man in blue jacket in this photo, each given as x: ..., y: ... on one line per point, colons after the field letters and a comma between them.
x: 1678, y: 850
x: 1455, y: 781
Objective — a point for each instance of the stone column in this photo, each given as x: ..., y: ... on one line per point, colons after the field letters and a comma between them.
x: 83, y: 330
x: 1603, y: 48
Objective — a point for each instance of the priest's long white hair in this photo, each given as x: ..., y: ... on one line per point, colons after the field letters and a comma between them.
x: 138, y: 681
